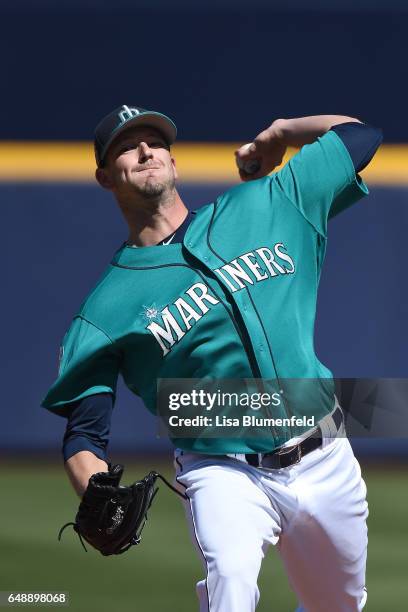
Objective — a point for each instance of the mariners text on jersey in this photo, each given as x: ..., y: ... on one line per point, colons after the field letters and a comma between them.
x: 241, y: 271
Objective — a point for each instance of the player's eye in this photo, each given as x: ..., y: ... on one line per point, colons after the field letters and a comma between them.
x: 154, y: 144
x: 157, y: 144
x: 127, y: 147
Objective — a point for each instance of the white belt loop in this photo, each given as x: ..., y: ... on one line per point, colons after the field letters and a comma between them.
x: 238, y: 456
x: 328, y: 426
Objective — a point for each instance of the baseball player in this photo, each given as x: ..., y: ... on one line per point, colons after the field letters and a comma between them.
x: 228, y: 292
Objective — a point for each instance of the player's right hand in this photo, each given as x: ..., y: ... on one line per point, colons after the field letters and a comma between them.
x: 267, y: 149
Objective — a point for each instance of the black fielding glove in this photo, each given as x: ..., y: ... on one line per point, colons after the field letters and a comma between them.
x: 111, y: 517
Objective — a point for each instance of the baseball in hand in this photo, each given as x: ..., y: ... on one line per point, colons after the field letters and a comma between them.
x: 250, y: 166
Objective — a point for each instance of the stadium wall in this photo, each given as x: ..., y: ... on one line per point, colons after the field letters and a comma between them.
x: 221, y: 71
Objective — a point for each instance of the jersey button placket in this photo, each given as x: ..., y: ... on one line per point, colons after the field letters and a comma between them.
x: 254, y: 327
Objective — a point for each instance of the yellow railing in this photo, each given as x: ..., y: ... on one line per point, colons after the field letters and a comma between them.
x: 196, y: 162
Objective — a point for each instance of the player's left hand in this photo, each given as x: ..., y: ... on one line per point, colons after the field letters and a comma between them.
x: 258, y: 158
x: 111, y: 516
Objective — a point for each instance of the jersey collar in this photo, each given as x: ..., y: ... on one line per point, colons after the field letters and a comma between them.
x: 160, y: 255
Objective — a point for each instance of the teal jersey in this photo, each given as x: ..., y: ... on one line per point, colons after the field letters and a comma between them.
x: 236, y: 300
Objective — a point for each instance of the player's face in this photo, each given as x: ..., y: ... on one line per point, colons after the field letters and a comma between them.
x: 139, y: 162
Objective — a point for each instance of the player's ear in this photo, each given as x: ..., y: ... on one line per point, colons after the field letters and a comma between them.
x: 173, y: 161
x: 103, y: 178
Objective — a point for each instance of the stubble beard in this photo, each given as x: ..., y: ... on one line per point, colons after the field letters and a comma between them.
x: 155, y: 190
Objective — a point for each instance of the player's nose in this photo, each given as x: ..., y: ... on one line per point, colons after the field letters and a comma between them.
x: 145, y: 152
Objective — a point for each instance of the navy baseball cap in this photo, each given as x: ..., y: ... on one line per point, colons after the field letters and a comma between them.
x: 125, y: 117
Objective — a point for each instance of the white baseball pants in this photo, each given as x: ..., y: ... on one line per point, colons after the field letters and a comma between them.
x: 315, y: 512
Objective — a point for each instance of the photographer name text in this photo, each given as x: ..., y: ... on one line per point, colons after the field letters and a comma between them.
x: 243, y: 421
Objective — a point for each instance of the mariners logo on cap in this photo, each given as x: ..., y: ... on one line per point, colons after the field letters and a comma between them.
x: 127, y: 113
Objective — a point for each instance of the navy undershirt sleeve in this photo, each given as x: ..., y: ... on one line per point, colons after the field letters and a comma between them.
x: 361, y: 140
x: 88, y: 425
